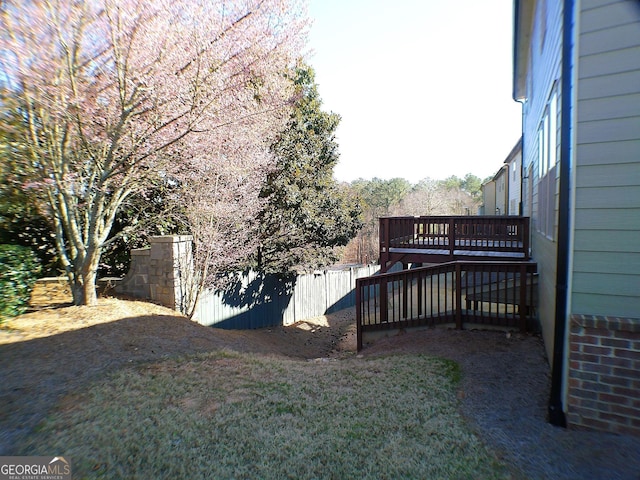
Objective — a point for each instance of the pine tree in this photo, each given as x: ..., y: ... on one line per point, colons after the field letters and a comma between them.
x: 307, y: 213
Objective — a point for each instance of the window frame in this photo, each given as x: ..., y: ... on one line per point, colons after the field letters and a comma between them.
x: 547, y: 161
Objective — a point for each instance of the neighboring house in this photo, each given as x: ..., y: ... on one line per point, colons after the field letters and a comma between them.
x: 488, y: 198
x: 495, y: 194
x: 577, y: 75
x: 501, y: 180
x: 513, y: 164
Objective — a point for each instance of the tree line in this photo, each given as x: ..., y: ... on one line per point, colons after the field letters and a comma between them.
x: 399, y: 197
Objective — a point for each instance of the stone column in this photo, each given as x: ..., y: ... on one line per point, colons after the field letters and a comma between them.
x: 171, y: 270
x: 136, y: 282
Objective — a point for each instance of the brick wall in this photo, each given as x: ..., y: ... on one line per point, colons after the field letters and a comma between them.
x: 604, y: 374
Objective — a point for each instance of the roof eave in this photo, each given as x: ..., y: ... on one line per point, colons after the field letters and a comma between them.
x: 522, y: 26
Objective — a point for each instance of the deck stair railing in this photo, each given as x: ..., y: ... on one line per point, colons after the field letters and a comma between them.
x: 497, y: 294
x: 433, y: 238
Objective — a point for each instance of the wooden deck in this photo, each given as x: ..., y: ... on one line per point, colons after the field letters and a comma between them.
x: 492, y: 294
x: 445, y: 239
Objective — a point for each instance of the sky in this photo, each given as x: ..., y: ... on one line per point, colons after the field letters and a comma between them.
x: 423, y: 86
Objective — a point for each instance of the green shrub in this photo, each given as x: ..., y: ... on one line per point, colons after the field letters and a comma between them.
x: 19, y: 269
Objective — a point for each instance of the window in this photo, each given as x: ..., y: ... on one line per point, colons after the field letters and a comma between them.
x: 547, y: 159
x: 553, y: 129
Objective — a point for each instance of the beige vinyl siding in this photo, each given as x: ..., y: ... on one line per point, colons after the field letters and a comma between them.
x: 606, y: 259
x: 489, y: 192
x: 501, y: 193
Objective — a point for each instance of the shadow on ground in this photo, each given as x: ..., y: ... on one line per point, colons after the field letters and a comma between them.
x: 37, y: 373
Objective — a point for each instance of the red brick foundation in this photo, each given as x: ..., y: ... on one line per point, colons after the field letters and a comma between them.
x: 604, y: 374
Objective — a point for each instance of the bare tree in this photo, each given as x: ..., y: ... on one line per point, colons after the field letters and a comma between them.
x: 115, y: 92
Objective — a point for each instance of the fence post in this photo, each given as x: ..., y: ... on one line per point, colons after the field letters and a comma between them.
x: 358, y: 315
x: 458, y: 296
x: 524, y: 279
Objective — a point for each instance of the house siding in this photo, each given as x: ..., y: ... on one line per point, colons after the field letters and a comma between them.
x: 601, y: 375
x: 604, y: 334
x: 607, y: 179
x: 545, y: 255
x: 501, y: 193
x: 489, y: 196
x: 514, y: 179
x: 544, y: 71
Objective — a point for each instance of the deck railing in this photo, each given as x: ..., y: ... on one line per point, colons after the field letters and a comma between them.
x: 488, y: 293
x: 456, y: 237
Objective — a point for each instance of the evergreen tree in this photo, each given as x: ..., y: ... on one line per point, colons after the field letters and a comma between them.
x: 307, y: 213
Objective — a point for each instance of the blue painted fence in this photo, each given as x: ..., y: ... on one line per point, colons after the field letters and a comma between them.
x: 264, y: 300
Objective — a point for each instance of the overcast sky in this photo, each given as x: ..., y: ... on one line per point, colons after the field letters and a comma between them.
x: 423, y: 86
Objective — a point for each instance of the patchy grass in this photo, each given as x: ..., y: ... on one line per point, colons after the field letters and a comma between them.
x: 229, y: 415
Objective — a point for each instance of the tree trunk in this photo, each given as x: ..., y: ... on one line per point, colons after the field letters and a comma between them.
x: 89, y: 289
x: 83, y: 281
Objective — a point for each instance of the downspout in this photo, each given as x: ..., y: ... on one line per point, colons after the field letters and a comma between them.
x: 556, y: 410
x: 522, y: 101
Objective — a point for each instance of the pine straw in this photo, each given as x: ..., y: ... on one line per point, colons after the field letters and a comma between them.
x: 47, y: 322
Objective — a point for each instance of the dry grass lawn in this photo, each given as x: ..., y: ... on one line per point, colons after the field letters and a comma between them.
x: 132, y: 390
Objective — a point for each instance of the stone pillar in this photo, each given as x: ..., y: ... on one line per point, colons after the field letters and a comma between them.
x: 171, y: 270
x: 136, y: 281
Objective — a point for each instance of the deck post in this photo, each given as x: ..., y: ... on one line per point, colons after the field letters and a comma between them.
x: 384, y: 302
x: 385, y: 243
x: 458, y: 296
x: 419, y: 296
x: 358, y: 315
x: 524, y: 279
x: 452, y: 236
x: 405, y: 292
x: 525, y: 237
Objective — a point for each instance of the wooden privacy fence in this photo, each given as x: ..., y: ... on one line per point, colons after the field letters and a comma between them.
x: 263, y: 300
x: 426, y: 239
x: 487, y: 293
